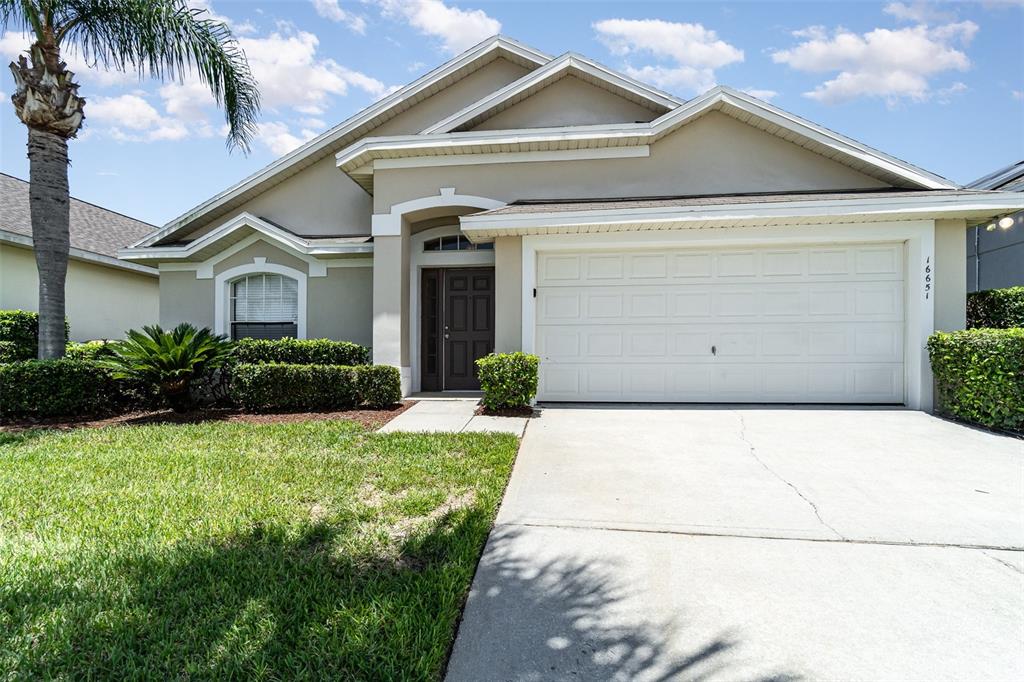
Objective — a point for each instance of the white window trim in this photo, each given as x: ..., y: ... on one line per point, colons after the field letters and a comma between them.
x: 420, y: 259
x: 222, y: 292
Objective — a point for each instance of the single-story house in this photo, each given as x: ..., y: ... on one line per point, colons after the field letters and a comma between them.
x: 647, y: 248
x: 104, y: 295
x: 995, y: 249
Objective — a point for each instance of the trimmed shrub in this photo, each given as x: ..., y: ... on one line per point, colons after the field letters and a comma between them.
x: 90, y: 350
x: 996, y: 308
x: 20, y: 328
x: 378, y: 385
x: 509, y: 380
x: 272, y: 386
x: 9, y: 352
x: 58, y: 388
x: 301, y: 352
x: 979, y: 374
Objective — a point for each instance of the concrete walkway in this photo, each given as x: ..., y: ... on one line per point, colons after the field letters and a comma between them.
x: 721, y: 544
x: 451, y: 414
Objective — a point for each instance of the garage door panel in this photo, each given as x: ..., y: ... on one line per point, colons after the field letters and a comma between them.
x: 826, y: 301
x: 882, y: 262
x: 794, y: 324
x: 787, y: 382
x: 766, y: 343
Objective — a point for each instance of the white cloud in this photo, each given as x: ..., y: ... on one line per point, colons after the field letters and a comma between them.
x: 237, y: 27
x: 458, y: 29
x: 766, y: 95
x: 278, y: 138
x: 890, y: 63
x: 919, y: 12
x: 1017, y: 95
x: 315, y: 123
x: 132, y: 118
x: 689, y: 53
x: 330, y: 9
x: 291, y: 74
x: 13, y: 44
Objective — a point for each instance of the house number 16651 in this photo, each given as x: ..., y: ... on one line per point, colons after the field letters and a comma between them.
x: 927, y: 277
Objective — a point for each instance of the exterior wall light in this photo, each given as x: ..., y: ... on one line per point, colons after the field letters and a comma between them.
x: 1006, y: 222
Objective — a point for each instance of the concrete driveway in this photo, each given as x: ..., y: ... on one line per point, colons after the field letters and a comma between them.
x: 717, y: 543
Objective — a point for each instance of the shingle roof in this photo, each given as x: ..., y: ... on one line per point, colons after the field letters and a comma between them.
x: 556, y: 206
x: 1008, y: 179
x: 93, y: 229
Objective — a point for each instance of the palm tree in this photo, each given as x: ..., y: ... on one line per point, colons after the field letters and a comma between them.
x: 163, y: 39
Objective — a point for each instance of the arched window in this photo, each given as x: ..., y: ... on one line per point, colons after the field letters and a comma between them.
x: 264, y: 306
x: 455, y: 242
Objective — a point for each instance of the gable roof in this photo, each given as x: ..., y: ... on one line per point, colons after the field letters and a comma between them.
x: 1008, y: 179
x: 732, y: 102
x: 568, y: 64
x: 347, y: 131
x: 95, y: 231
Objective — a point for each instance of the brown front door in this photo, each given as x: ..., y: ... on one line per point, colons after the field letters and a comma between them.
x: 457, y: 315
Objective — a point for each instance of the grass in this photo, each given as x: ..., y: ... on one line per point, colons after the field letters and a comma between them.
x: 271, y: 551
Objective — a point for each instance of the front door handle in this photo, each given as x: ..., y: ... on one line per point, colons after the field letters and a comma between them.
x: 447, y: 335
x: 714, y: 351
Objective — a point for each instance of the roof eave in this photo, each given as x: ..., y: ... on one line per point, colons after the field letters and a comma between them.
x: 329, y: 137
x: 904, y: 208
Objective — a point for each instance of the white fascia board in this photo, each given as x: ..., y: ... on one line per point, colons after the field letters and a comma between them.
x: 364, y: 151
x: 273, y: 233
x: 549, y: 72
x: 82, y: 255
x: 331, y: 136
x: 922, y: 207
x: 510, y: 157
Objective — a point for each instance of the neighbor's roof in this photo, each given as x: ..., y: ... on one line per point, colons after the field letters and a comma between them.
x: 94, y: 230
x: 1009, y: 179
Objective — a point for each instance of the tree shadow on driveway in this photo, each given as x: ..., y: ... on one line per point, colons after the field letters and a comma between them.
x: 532, y: 617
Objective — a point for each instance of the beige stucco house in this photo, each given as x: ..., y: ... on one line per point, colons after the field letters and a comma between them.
x: 104, y: 296
x: 647, y: 248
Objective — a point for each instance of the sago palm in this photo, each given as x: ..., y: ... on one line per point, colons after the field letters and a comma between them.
x: 168, y: 360
x: 163, y: 39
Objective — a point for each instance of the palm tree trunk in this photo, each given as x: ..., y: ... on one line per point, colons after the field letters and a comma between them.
x: 50, y: 209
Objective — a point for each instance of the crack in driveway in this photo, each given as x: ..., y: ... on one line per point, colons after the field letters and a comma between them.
x: 753, y: 453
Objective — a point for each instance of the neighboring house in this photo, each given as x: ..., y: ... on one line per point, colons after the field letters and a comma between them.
x: 995, y: 253
x: 104, y: 296
x: 646, y: 248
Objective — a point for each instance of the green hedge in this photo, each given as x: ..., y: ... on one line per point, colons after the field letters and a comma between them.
x: 90, y: 350
x: 60, y: 388
x: 301, y: 352
x: 378, y: 385
x: 272, y: 386
x: 509, y: 380
x: 979, y: 374
x: 19, y: 335
x: 996, y: 308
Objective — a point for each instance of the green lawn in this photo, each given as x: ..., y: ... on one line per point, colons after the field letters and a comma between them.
x: 304, y: 550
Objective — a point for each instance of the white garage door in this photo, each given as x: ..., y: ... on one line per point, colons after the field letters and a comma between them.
x: 802, y: 324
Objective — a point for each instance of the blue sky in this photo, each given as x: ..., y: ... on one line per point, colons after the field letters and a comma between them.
x: 938, y: 84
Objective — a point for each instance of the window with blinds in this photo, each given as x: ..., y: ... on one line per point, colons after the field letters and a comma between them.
x: 264, y: 306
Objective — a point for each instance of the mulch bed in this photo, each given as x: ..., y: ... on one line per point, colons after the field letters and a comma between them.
x: 371, y: 419
x: 507, y: 412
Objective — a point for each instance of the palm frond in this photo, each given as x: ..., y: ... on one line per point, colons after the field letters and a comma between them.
x: 25, y: 16
x: 167, y: 40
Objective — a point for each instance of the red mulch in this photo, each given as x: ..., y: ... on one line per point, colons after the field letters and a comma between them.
x: 371, y: 419
x: 506, y: 412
